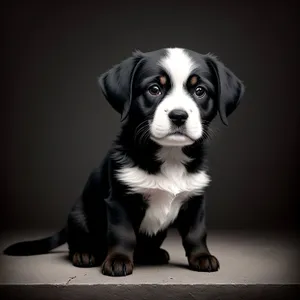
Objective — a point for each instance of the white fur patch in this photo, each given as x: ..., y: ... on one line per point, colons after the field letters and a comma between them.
x: 165, y: 191
x: 179, y: 66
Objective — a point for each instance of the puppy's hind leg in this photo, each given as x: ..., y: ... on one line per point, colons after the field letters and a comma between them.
x: 85, y: 247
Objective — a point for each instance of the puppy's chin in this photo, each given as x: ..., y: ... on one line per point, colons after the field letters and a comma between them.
x: 174, y: 140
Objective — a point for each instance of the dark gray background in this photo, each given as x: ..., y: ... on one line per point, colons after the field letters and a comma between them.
x: 56, y: 125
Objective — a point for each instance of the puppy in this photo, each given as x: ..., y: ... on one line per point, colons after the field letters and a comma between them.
x: 155, y: 173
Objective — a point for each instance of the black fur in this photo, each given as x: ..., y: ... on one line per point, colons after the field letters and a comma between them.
x: 103, y: 225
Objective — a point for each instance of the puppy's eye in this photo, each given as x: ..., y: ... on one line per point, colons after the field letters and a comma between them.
x: 154, y: 90
x: 200, y: 92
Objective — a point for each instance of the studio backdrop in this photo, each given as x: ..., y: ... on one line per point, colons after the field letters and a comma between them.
x: 56, y: 125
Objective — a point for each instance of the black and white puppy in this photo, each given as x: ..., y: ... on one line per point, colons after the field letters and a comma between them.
x: 155, y: 173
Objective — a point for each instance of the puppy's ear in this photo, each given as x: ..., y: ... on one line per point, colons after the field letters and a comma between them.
x: 230, y: 88
x: 116, y: 84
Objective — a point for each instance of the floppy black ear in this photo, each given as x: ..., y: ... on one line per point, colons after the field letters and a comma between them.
x: 116, y: 84
x: 230, y: 88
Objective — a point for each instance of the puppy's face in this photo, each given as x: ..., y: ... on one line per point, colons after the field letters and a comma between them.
x: 174, y: 90
x: 172, y: 94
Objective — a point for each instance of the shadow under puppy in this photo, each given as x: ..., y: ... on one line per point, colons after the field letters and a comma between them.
x: 155, y: 173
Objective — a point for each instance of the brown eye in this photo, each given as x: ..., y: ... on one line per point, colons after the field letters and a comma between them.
x: 154, y: 90
x: 200, y: 92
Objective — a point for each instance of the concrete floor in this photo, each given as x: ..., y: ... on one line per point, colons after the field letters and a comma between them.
x: 254, y: 265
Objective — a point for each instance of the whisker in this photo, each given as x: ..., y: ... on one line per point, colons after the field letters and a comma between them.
x: 139, y: 129
x: 141, y: 133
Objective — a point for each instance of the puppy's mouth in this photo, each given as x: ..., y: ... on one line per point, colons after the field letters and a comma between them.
x: 178, y: 133
x: 175, y: 138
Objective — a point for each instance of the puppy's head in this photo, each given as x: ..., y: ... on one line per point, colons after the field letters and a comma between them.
x: 173, y: 93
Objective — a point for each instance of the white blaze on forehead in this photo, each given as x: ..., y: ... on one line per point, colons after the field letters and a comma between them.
x: 178, y: 64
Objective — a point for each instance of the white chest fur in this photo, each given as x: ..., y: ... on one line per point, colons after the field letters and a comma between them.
x: 166, y: 191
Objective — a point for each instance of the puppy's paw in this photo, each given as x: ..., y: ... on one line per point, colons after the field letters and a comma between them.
x: 156, y: 257
x: 83, y: 260
x: 117, y: 264
x: 204, y: 263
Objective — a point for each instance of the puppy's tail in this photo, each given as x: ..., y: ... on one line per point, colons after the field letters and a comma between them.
x: 40, y: 246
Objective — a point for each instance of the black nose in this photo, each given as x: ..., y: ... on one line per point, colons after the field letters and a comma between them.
x: 178, y: 116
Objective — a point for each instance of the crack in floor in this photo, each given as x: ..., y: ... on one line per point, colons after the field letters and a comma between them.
x: 70, y: 278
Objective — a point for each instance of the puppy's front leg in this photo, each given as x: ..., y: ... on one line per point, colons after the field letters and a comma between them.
x: 121, y: 241
x: 192, y: 228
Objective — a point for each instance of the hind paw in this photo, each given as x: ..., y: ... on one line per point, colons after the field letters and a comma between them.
x: 155, y: 257
x: 83, y: 260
